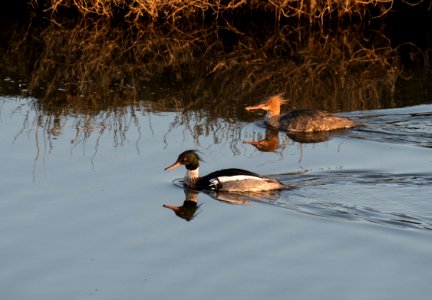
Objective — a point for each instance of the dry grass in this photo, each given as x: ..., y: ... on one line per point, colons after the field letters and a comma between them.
x: 181, y: 10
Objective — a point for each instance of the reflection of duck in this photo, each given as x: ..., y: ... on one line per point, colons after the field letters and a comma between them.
x: 309, y: 137
x: 301, y: 120
x: 271, y: 141
x: 231, y: 180
x: 269, y: 144
x: 189, y: 207
x: 246, y: 198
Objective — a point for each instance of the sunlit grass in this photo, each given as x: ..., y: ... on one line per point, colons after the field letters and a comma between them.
x: 181, y: 10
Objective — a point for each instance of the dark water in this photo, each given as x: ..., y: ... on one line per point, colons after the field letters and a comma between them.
x: 82, y: 216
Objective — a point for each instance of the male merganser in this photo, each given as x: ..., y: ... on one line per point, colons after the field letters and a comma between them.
x: 189, y: 208
x: 300, y: 120
x: 229, y: 180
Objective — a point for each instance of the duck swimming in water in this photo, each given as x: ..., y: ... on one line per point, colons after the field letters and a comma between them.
x: 229, y: 180
x: 300, y: 120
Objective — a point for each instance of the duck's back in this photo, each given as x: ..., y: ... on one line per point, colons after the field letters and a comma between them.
x: 305, y: 120
x: 237, y: 180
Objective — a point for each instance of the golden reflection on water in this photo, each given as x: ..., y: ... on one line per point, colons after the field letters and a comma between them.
x: 101, y: 75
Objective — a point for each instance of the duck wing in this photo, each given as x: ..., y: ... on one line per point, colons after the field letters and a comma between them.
x: 213, y: 180
x: 307, y: 120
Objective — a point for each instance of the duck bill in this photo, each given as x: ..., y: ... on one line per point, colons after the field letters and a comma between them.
x: 174, y: 165
x: 251, y: 143
x: 255, y: 107
x: 172, y: 207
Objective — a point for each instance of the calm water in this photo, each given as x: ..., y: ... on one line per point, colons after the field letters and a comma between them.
x: 82, y: 217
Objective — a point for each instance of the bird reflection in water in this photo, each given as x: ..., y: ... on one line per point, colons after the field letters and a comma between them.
x: 191, y: 208
x: 309, y: 137
x: 271, y: 142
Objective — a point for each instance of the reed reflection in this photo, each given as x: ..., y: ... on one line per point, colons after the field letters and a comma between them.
x: 101, y: 66
x: 109, y: 75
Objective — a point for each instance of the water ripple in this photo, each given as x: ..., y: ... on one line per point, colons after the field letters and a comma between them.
x: 413, y: 126
x: 330, y: 195
x: 340, y: 195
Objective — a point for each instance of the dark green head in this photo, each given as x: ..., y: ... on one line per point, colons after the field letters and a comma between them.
x: 189, y: 158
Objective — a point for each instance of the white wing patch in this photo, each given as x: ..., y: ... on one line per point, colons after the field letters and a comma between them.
x: 235, y: 183
x: 214, y: 183
x: 223, y: 179
x: 247, y: 183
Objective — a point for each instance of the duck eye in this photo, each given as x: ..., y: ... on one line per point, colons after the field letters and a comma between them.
x: 184, y: 159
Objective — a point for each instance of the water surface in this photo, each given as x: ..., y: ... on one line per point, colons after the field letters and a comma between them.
x: 82, y: 217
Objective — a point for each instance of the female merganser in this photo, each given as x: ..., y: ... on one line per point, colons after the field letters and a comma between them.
x: 269, y: 144
x: 300, y: 120
x: 229, y: 180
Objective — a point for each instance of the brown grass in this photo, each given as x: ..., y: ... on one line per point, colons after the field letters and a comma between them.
x: 181, y: 10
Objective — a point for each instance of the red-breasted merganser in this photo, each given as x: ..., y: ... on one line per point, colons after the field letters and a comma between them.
x: 229, y: 180
x: 269, y: 144
x: 300, y: 120
x: 189, y: 208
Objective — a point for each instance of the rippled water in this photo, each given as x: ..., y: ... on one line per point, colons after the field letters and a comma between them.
x: 82, y: 216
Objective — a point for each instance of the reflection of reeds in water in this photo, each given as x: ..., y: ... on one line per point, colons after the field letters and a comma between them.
x: 94, y: 68
x: 96, y: 63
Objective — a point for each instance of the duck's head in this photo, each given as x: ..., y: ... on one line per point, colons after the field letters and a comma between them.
x: 269, y: 144
x: 271, y: 104
x: 190, y: 206
x: 186, y: 211
x: 190, y: 159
